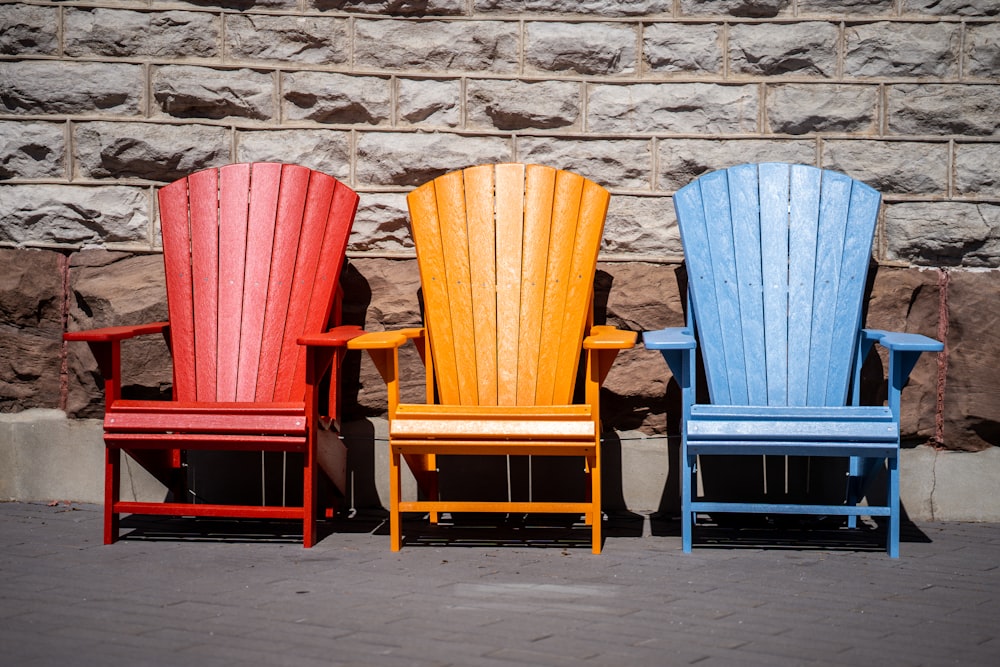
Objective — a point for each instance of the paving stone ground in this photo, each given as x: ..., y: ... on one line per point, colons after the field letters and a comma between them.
x: 176, y: 592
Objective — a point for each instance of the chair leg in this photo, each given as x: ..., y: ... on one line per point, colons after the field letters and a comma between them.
x: 309, y: 481
x: 687, y: 488
x: 112, y: 484
x: 595, y: 504
x: 395, y: 484
x: 892, y: 540
x: 853, y: 495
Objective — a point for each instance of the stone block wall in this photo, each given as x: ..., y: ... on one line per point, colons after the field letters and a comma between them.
x: 101, y: 101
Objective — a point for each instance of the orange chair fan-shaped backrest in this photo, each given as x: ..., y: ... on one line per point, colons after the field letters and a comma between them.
x: 507, y: 256
x: 253, y: 254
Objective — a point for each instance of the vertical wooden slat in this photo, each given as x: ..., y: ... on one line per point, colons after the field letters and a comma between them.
x: 568, y: 189
x: 802, y: 228
x: 773, y: 193
x: 426, y: 229
x: 287, y: 230
x: 830, y: 236
x: 577, y: 312
x: 234, y: 205
x: 861, y: 221
x: 510, y: 231
x: 203, y: 190
x: 538, y: 193
x: 480, y: 202
x: 264, y: 188
x: 175, y: 231
x: 745, y: 208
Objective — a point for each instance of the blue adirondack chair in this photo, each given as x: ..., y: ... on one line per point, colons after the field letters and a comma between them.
x: 777, y: 257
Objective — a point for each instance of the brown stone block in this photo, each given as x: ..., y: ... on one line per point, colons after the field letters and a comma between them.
x: 972, y: 388
x: 30, y: 329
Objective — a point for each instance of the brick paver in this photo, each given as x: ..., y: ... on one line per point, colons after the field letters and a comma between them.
x: 169, y: 595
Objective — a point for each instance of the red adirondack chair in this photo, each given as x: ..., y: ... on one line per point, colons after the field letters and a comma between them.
x: 252, y: 254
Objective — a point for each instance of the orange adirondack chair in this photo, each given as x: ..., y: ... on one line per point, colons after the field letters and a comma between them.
x: 252, y: 254
x: 507, y: 256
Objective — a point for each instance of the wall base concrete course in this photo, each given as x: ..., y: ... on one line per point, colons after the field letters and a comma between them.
x: 47, y: 457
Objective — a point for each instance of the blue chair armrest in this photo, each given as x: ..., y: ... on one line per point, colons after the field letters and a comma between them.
x: 903, y: 342
x: 673, y: 338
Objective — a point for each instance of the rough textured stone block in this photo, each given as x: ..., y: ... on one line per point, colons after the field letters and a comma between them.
x: 73, y: 215
x: 802, y: 49
x: 641, y: 226
x: 972, y: 389
x: 905, y: 300
x: 624, y: 163
x: 519, y: 105
x: 846, y: 7
x: 976, y: 169
x: 680, y: 161
x: 943, y: 109
x: 943, y: 233
x: 29, y: 30
x: 145, y: 150
x: 52, y: 87
x: 382, y: 224
x: 31, y: 304
x: 982, y: 51
x: 323, y: 150
x: 902, y: 49
x: 393, y: 158
x: 185, y: 91
x: 582, y: 7
x: 743, y: 8
x: 336, y: 98
x: 684, y: 108
x: 299, y: 39
x: 32, y: 150
x: 480, y: 46
x: 429, y: 102
x: 393, y: 7
x: 605, y: 49
x: 122, y: 33
x: 111, y: 289
x: 800, y: 108
x: 957, y: 7
x: 892, y: 167
x: 682, y: 48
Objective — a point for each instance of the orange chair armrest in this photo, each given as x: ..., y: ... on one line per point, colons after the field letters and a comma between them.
x: 109, y: 334
x: 605, y: 337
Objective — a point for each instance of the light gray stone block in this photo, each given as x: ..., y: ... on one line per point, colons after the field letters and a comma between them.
x: 29, y: 30
x: 392, y: 7
x: 800, y: 49
x: 404, y: 159
x: 429, y: 102
x: 643, y: 226
x: 436, y: 46
x: 682, y: 48
x: 887, y: 49
x: 121, y: 32
x: 324, y: 150
x: 947, y: 7
x: 680, y: 161
x: 624, y: 163
x: 152, y: 151
x: 382, y: 224
x: 941, y: 109
x: 582, y: 7
x: 32, y: 150
x: 892, y: 167
x: 73, y: 215
x: 186, y: 91
x: 846, y: 7
x: 327, y: 97
x: 682, y: 108
x: 520, y: 105
x: 52, y: 87
x: 801, y: 108
x: 317, y: 40
x: 982, y: 51
x: 600, y: 49
x: 976, y: 170
x: 943, y: 233
x: 743, y: 8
